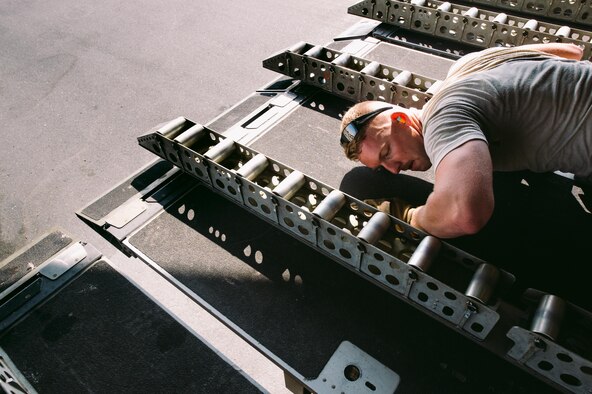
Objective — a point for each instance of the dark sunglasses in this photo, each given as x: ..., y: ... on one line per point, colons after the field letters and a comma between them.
x: 353, y: 128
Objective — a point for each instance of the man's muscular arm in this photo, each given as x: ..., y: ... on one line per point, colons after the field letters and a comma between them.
x: 462, y: 201
x: 564, y: 50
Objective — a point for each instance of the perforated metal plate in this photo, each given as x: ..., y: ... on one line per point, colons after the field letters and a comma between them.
x: 551, y: 360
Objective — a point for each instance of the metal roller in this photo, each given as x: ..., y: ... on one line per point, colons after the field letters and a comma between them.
x: 426, y: 253
x: 191, y: 135
x: 435, y: 86
x: 532, y: 24
x: 251, y: 169
x: 403, y: 78
x: 445, y: 7
x: 172, y: 128
x: 473, y: 12
x: 298, y: 47
x: 314, y: 51
x: 378, y: 224
x: 548, y: 316
x: 290, y: 185
x: 220, y: 151
x: 564, y: 31
x: 483, y: 283
x: 342, y: 60
x: 500, y: 18
x: 371, y: 69
x: 328, y: 208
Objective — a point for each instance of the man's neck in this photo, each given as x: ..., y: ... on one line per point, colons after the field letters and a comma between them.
x: 415, y: 119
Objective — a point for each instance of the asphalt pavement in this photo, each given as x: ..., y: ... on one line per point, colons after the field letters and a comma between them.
x: 81, y: 80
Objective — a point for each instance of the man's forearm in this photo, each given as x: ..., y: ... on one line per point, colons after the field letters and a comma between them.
x: 444, y: 219
x: 564, y: 50
x: 462, y: 200
x: 438, y: 226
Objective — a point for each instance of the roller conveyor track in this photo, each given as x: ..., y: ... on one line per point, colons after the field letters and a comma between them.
x: 390, y: 254
x: 352, y: 77
x: 470, y: 25
x: 560, y: 10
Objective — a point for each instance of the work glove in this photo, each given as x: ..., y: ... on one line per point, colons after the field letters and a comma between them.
x: 394, y: 206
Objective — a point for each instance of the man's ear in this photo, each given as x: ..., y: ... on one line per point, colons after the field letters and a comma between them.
x: 400, y: 117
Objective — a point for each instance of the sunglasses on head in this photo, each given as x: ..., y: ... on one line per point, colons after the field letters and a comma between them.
x: 353, y: 128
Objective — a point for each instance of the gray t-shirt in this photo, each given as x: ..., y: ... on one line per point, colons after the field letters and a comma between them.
x: 534, y: 114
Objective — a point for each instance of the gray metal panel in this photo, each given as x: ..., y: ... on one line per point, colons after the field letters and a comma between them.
x: 316, y: 123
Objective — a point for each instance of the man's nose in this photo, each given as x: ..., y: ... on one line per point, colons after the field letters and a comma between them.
x: 391, y: 167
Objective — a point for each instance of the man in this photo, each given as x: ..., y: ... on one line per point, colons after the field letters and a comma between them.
x: 501, y: 109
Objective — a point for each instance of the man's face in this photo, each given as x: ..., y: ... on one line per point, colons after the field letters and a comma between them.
x: 392, y: 146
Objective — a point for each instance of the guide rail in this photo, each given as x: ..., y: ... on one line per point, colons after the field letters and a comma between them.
x: 352, y: 77
x: 470, y: 25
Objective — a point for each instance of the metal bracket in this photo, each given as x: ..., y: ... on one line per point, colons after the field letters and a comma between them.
x: 351, y: 370
x: 54, y: 268
x: 470, y: 311
x: 125, y: 213
x: 411, y: 279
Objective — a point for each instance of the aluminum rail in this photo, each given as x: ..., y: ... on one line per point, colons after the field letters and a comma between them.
x: 470, y: 25
x: 561, y: 10
x: 352, y: 77
x: 388, y: 252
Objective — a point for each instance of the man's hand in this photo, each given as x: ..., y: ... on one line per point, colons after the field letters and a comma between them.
x: 397, y: 207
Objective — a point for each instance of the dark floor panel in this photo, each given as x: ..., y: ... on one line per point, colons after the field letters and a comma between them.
x: 107, y: 203
x: 242, y: 109
x: 428, y: 65
x: 101, y: 334
x: 300, y: 305
x: 308, y: 139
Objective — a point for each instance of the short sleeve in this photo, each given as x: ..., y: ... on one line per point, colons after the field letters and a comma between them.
x: 448, y: 128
